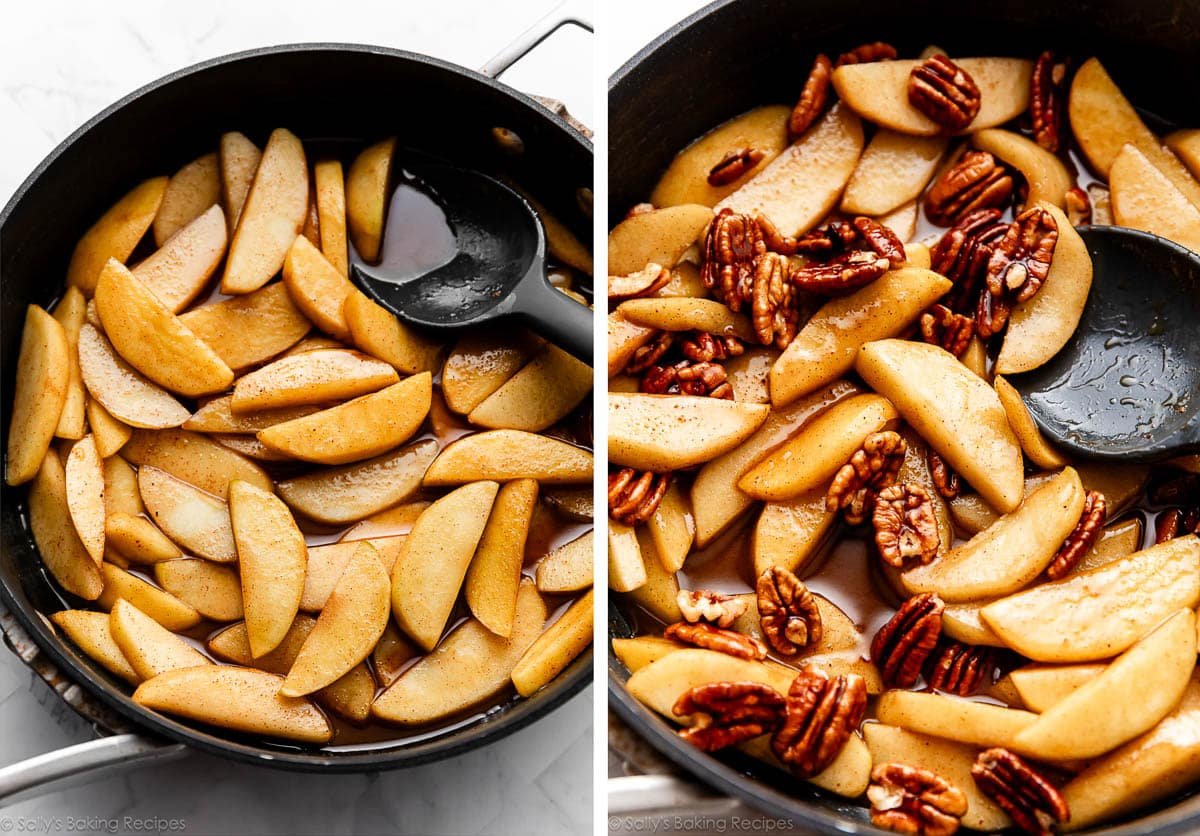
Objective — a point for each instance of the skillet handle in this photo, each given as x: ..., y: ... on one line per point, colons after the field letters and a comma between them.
x: 78, y: 764
x: 557, y: 317
x: 566, y: 12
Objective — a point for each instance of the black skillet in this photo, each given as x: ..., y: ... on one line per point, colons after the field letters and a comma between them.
x: 733, y: 55
x: 334, y: 92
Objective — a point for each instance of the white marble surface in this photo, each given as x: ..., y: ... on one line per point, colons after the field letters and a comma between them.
x: 61, y: 62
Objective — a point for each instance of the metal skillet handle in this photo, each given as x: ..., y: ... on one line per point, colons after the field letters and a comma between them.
x: 568, y: 12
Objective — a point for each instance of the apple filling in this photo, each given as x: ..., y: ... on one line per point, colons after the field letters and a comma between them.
x: 839, y: 541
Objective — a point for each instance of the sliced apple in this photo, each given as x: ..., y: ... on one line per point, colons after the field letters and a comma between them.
x: 137, y: 539
x: 504, y: 455
x: 116, y: 234
x: 247, y: 330
x: 85, y: 495
x: 683, y: 313
x: 810, y: 458
x: 379, y: 333
x: 327, y: 564
x: 272, y: 557
x: 800, y: 186
x: 848, y: 775
x: 122, y: 390
x: 1186, y: 145
x: 331, y: 212
x: 626, y: 567
x: 348, y: 494
x: 195, y: 459
x: 670, y: 432
x: 190, y: 192
x: 213, y: 591
x: 1118, y: 540
x: 90, y: 631
x: 659, y: 593
x: 479, y: 364
x: 366, y: 197
x: 392, y: 654
x: 748, y: 374
x: 471, y: 665
x: 903, y: 223
x: 954, y: 718
x: 54, y: 534
x: 271, y: 217
x: 963, y: 622
x: 1033, y: 443
x: 181, y: 267
x: 1099, y: 613
x: 317, y: 287
x: 661, y: 236
x: 163, y: 607
x: 893, y: 170
x: 562, y: 243
x: 624, y: 339
x: 193, y: 518
x: 827, y: 346
x: 433, y: 561
x: 789, y: 533
x: 70, y: 313
x: 494, y: 577
x: 1044, y: 173
x: 556, y: 648
x: 958, y: 414
x: 150, y: 648
x: 661, y: 683
x: 43, y: 375
x: 1137, y: 690
x: 1144, y: 198
x: 838, y: 632
x: 879, y: 93
x: 387, y: 523
x: 1042, y: 686
x: 638, y: 652
x: 217, y: 416
x: 1009, y: 554
x: 314, y: 377
x: 241, y: 699
x: 238, y: 158
x: 109, y: 432
x: 672, y: 528
x: 538, y: 396
x: 567, y: 568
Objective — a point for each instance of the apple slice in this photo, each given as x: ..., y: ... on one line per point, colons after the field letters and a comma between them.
x: 314, y: 377
x: 803, y: 183
x: 471, y: 665
x: 150, y: 648
x: 661, y: 683
x: 433, y: 561
x: 661, y: 236
x: 893, y: 170
x: 903, y: 223
x: 683, y: 313
x: 317, y: 287
x: 121, y: 389
x: 748, y: 374
x: 626, y: 567
x: 247, y: 330
x: 54, y: 534
x: 271, y: 217
x: 272, y: 558
x: 70, y: 312
x: 193, y: 518
x: 217, y: 416
x: 1099, y: 613
x: 163, y: 607
x: 791, y: 532
x: 1035, y: 445
x: 1044, y: 173
x: 671, y: 432
x: 504, y: 455
x: 848, y: 775
x: 349, y: 625
x: 1132, y: 694
x: 954, y: 718
x: 1009, y: 554
x: 121, y: 488
x: 1118, y: 540
x: 659, y: 593
x: 494, y: 577
x: 479, y: 364
x: 672, y: 528
x: 366, y: 197
x: 195, y: 459
x: 1149, y: 768
x: 136, y: 539
x: 1104, y: 121
x: 181, y: 267
x: 85, y: 495
x: 238, y: 158
x: 879, y: 93
x: 152, y: 339
x: 211, y: 590
x: 956, y: 413
x: 1043, y: 686
x: 348, y: 494
x: 116, y: 234
x: 109, y: 432
x: 331, y: 211
x: 43, y: 374
x: 1143, y: 197
x: 810, y: 458
x: 327, y: 563
x: 379, y: 333
x: 190, y: 192
x: 567, y: 568
x: 963, y: 622
x: 241, y: 699
x: 538, y: 396
x: 391, y: 655
x: 556, y: 648
x: 1186, y: 145
x: 90, y: 631
x: 624, y: 339
x: 638, y: 652
x: 828, y: 344
x: 387, y: 523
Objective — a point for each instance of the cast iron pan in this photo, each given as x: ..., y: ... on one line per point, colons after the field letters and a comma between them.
x: 333, y: 92
x: 732, y: 56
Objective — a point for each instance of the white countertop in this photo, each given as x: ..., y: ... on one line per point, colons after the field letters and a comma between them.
x: 61, y: 63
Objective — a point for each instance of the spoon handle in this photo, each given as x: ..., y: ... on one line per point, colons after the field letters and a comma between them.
x: 557, y: 317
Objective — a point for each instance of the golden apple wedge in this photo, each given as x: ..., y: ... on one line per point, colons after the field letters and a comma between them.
x: 247, y: 330
x: 1045, y: 174
x: 1043, y: 686
x: 661, y: 683
x: 150, y: 648
x: 479, y: 364
x: 954, y: 718
x: 791, y: 532
x: 238, y: 158
x: 672, y: 528
x: 661, y: 237
x: 433, y: 561
x: 683, y: 313
x: 556, y: 648
x: 893, y: 170
x: 43, y: 374
x: 626, y: 567
x: 70, y: 313
x: 471, y: 665
x: 271, y: 558
x: 391, y: 655
x: 90, y: 632
x: 390, y: 522
x: 538, y: 396
x: 1186, y: 145
x: 195, y: 459
x: 504, y: 455
x: 314, y: 377
x: 1033, y: 443
x: 121, y: 389
x: 137, y: 540
x: 213, y: 591
x: 1009, y: 554
x: 240, y: 699
x: 382, y: 335
x: 567, y: 568
x: 350, y: 624
x: 1099, y: 613
x: 1138, y: 689
x: 658, y: 593
x: 217, y: 416
x: 327, y: 563
x: 317, y: 287
x: 494, y: 577
x: 190, y: 192
x: 116, y: 234
x: 181, y: 267
x: 193, y: 518
x: 367, y: 184
x: 848, y: 775
x: 670, y: 432
x: 958, y: 414
x: 84, y: 473
x: 639, y: 651
x: 54, y: 534
x: 624, y: 339
x: 119, y: 585
x: 110, y: 433
x: 1144, y: 198
x: 271, y: 217
x: 331, y: 211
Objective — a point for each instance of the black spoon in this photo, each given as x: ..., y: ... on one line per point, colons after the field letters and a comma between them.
x: 1127, y: 385
x: 463, y: 249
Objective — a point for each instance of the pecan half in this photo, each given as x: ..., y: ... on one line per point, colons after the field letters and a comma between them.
x: 704, y: 379
x: 945, y: 479
x: 841, y: 275
x: 832, y: 238
x: 812, y: 98
x: 731, y: 245
x: 943, y: 327
x: 963, y: 253
x: 650, y: 353
x: 944, y: 92
x: 902, y: 646
x: 728, y: 713
x: 633, y: 497
x: 872, y: 468
x: 1017, y: 268
x: 642, y: 283
x: 975, y: 182
x: 1176, y: 522
x: 1047, y: 98
x: 867, y: 54
x: 1034, y: 804
x: 714, y: 607
x: 882, y: 240
x: 787, y: 612
x: 822, y: 713
x: 906, y: 799
x: 775, y: 240
x: 716, y: 638
x: 1079, y: 206
x: 734, y: 165
x: 905, y: 525
x: 702, y: 347
x: 958, y: 668
x: 1080, y: 541
x: 775, y: 316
